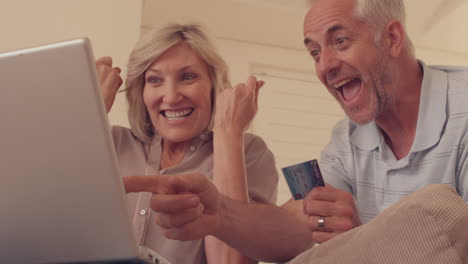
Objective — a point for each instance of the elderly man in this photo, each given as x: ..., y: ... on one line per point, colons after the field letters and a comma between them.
x: 407, y: 128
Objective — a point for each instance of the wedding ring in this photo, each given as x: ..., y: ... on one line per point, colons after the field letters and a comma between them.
x: 321, y: 223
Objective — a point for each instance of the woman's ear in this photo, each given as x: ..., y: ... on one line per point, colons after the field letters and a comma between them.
x: 394, y: 38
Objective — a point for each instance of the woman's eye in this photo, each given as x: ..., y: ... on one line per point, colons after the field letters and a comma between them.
x: 189, y: 76
x: 153, y: 80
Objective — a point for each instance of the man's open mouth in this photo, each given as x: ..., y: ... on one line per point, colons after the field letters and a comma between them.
x: 349, y: 88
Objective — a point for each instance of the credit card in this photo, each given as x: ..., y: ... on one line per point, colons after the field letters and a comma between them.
x: 302, y: 177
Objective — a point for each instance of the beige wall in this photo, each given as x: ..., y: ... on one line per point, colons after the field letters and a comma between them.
x: 112, y: 25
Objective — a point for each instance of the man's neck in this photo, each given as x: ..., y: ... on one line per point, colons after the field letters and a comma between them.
x: 398, y: 123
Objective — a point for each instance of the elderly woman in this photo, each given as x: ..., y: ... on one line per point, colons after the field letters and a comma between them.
x: 174, y: 76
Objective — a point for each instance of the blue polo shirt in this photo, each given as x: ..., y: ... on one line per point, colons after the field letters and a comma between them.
x: 358, y: 160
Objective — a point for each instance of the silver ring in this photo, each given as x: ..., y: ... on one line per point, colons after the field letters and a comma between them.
x: 321, y: 223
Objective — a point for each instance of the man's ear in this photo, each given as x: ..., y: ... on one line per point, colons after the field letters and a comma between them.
x: 394, y: 38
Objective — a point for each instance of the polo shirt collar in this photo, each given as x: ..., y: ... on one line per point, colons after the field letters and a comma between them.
x: 431, y: 116
x: 367, y: 136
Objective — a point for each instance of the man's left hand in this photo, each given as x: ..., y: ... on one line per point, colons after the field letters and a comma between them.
x: 334, y: 208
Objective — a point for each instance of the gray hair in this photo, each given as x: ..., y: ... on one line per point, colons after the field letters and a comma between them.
x: 148, y: 49
x: 377, y: 13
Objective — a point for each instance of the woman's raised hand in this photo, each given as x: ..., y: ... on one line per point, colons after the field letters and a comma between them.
x: 109, y: 80
x: 237, y: 106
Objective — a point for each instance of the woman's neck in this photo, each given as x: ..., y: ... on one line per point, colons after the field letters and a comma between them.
x: 172, y: 153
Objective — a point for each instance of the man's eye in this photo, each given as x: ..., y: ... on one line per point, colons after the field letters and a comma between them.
x: 189, y: 76
x: 315, y: 54
x: 341, y: 41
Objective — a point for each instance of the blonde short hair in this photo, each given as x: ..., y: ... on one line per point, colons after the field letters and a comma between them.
x: 148, y: 49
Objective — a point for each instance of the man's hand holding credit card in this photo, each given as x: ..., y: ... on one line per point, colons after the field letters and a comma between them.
x: 302, y: 177
x: 329, y: 211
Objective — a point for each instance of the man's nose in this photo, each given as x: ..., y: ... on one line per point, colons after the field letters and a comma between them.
x: 328, y: 64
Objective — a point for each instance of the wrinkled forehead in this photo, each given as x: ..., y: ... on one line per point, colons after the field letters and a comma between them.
x: 324, y: 15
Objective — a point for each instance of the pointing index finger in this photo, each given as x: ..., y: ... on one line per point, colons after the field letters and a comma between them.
x: 153, y: 184
x: 166, y: 184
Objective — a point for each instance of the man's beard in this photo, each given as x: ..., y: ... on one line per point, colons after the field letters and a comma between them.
x: 383, y: 76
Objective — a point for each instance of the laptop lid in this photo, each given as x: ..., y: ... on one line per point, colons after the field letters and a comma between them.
x: 61, y: 197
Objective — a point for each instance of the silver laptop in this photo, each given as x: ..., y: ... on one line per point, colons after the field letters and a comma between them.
x: 61, y: 197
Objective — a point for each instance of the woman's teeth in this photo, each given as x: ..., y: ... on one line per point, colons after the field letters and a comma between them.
x: 177, y: 115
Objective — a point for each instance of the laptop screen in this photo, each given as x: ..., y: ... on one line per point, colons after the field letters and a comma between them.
x: 61, y: 197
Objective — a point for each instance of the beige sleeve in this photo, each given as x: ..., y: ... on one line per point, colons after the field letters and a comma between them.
x: 260, y: 165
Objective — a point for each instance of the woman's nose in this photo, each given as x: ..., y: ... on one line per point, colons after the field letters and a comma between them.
x: 171, y: 94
